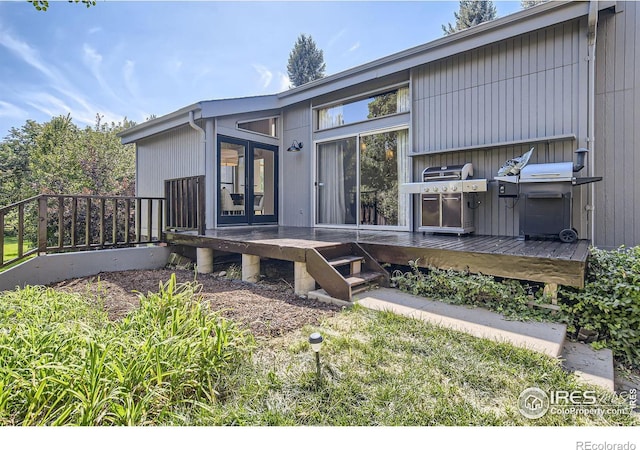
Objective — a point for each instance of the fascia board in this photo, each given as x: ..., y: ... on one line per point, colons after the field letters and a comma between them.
x: 226, y: 107
x: 542, y: 16
x: 160, y: 124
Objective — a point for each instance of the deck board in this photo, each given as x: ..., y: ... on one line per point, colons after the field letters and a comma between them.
x: 543, y: 260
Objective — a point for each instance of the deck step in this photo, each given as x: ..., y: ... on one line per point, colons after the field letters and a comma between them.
x: 344, y: 260
x: 362, y: 278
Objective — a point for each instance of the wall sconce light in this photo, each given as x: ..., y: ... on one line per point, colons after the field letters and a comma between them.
x: 316, y: 342
x: 295, y: 147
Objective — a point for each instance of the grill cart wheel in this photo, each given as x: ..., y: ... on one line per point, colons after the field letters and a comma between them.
x: 568, y: 235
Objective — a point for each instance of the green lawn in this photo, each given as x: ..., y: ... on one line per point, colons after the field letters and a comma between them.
x: 11, y: 249
x: 174, y: 363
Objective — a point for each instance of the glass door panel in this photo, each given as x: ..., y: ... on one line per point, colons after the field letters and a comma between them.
x: 247, y: 192
x: 264, y: 192
x: 379, y: 179
x: 336, y: 185
x: 359, y: 186
x: 232, y: 182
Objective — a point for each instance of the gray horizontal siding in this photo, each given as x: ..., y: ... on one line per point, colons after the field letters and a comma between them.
x: 617, y: 132
x: 522, y: 88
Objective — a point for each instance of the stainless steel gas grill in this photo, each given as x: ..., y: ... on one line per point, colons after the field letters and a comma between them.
x: 545, y: 197
x: 444, y: 201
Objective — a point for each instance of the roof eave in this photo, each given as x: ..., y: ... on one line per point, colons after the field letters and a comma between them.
x: 160, y: 124
x: 524, y: 21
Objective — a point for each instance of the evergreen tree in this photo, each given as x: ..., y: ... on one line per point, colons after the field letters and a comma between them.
x: 306, y: 61
x: 471, y: 13
x: 529, y: 3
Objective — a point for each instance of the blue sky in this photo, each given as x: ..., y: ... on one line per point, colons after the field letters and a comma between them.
x: 134, y: 59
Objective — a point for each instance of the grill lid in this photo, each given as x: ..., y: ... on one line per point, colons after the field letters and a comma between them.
x: 458, y: 172
x: 549, y: 172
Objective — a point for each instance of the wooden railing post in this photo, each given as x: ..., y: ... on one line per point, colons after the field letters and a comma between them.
x: 201, y: 206
x: 20, y: 230
x: 1, y: 238
x: 42, y: 224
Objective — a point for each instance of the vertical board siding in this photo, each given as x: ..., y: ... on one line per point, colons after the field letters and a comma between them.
x: 174, y: 154
x: 521, y: 88
x: 296, y: 178
x: 499, y: 216
x: 617, y: 144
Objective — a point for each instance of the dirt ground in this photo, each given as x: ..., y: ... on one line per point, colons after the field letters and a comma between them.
x: 268, y: 308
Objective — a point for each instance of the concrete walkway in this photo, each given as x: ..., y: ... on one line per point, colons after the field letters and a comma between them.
x: 591, y: 366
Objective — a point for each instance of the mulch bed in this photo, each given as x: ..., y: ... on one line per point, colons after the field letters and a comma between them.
x: 267, y: 308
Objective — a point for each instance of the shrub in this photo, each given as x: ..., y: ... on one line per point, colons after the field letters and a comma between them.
x: 508, y: 297
x: 62, y: 362
x: 609, y: 304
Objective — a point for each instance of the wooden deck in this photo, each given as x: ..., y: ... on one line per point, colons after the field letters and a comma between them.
x: 547, y: 261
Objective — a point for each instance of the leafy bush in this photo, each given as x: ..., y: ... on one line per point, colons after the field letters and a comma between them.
x: 62, y: 362
x: 508, y: 297
x: 609, y: 304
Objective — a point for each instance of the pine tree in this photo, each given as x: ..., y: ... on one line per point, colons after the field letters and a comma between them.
x: 306, y: 61
x: 471, y: 13
x: 529, y: 3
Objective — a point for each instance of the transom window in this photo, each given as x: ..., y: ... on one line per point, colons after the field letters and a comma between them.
x: 268, y: 127
x: 379, y: 105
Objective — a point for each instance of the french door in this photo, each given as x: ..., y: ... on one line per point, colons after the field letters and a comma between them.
x: 247, y: 182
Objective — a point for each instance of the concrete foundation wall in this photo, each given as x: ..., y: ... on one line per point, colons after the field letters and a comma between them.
x: 48, y: 269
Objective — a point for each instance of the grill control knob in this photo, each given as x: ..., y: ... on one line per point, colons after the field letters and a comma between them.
x: 444, y: 189
x: 454, y: 188
x: 435, y: 189
x: 474, y: 187
x: 426, y: 189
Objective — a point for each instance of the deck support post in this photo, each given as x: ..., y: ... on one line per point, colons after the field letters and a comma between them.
x: 250, y: 268
x: 204, y: 260
x: 303, y: 281
x: 551, y: 291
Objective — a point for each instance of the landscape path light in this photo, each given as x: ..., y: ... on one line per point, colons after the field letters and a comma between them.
x: 315, y: 339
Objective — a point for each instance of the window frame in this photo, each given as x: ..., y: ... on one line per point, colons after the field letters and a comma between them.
x: 277, y: 126
x: 355, y: 98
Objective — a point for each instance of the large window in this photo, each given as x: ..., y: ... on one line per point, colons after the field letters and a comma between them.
x: 357, y: 180
x: 379, y: 105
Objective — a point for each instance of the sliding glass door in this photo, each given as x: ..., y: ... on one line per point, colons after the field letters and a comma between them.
x: 357, y: 180
x: 336, y: 184
x: 247, y: 182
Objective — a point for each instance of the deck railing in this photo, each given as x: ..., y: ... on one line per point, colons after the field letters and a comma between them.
x: 57, y: 223
x: 185, y: 204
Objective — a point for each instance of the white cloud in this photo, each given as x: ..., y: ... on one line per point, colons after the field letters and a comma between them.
x: 71, y: 100
x: 94, y: 30
x: 336, y: 37
x: 354, y: 47
x: 48, y: 104
x: 128, y: 73
x: 24, y: 51
x: 265, y: 75
x: 285, y: 82
x: 10, y: 110
x: 91, y: 57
